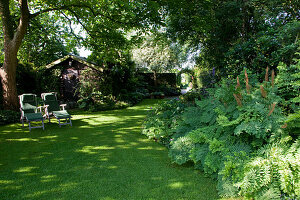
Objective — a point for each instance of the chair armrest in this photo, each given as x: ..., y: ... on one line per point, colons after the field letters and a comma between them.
x: 40, y: 107
x: 22, y: 112
x: 46, y: 108
x: 63, y: 106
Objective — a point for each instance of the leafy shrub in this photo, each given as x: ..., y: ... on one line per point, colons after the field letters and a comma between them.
x: 236, y: 119
x: 144, y: 91
x: 288, y: 81
x: 180, y: 151
x: 132, y: 97
x: 193, y: 94
x: 162, y: 120
x: 96, y: 101
x: 221, y: 135
x: 9, y: 116
x: 95, y: 92
x: 169, y: 91
x: 273, y: 173
x: 293, y: 124
x: 157, y: 95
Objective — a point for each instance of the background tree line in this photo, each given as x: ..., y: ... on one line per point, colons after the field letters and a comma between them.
x: 230, y: 35
x: 235, y: 34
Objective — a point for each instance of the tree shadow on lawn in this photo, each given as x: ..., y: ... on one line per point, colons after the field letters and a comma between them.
x: 103, y: 156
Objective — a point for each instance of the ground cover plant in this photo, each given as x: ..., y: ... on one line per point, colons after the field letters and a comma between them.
x: 9, y: 116
x: 239, y: 135
x: 102, y: 156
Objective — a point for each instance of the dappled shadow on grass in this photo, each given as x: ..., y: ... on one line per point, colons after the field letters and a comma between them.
x: 103, y: 156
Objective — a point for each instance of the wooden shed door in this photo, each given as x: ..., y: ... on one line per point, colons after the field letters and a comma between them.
x: 70, y: 80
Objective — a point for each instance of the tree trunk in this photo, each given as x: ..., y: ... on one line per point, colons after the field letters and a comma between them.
x: 12, y: 42
x: 8, y: 80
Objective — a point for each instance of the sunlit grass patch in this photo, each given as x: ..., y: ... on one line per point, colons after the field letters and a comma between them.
x: 102, y: 156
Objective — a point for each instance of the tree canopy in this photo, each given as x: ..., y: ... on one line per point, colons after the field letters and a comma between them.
x: 231, y: 34
x: 104, y: 22
x: 237, y: 34
x: 156, y: 53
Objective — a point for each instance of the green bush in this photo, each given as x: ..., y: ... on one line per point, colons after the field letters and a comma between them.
x: 132, y: 97
x: 273, y: 173
x: 222, y: 133
x: 96, y: 101
x: 9, y: 116
x: 157, y: 95
x: 293, y: 124
x: 162, y: 120
x: 169, y: 91
x: 288, y: 82
x: 193, y: 94
x: 180, y: 151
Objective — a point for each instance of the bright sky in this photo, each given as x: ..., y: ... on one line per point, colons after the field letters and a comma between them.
x: 84, y: 52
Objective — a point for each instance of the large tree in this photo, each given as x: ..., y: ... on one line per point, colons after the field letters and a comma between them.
x: 13, y: 37
x: 156, y: 54
x: 99, y: 19
x: 237, y: 33
x: 46, y: 40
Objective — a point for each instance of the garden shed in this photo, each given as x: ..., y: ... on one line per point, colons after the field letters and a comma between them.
x: 70, y: 68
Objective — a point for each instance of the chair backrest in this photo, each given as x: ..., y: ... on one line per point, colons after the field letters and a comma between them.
x: 28, y: 103
x: 51, y: 100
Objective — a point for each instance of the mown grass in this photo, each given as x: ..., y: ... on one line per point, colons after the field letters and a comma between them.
x: 103, y: 156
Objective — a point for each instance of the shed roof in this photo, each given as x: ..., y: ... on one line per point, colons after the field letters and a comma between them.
x: 77, y: 58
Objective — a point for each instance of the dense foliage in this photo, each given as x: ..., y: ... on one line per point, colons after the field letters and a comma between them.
x: 118, y: 86
x: 289, y: 85
x: 288, y: 81
x: 238, y: 134
x: 162, y: 120
x: 95, y: 91
x: 234, y: 34
x: 49, y: 38
x: 9, y: 116
x: 244, y: 131
x: 156, y: 54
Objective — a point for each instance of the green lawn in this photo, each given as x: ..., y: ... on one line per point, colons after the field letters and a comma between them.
x: 103, y: 156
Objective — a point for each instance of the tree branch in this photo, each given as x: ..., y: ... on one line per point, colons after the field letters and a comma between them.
x: 79, y: 21
x: 69, y: 8
x: 70, y: 25
x: 23, y: 23
x: 7, y: 20
x: 65, y: 7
